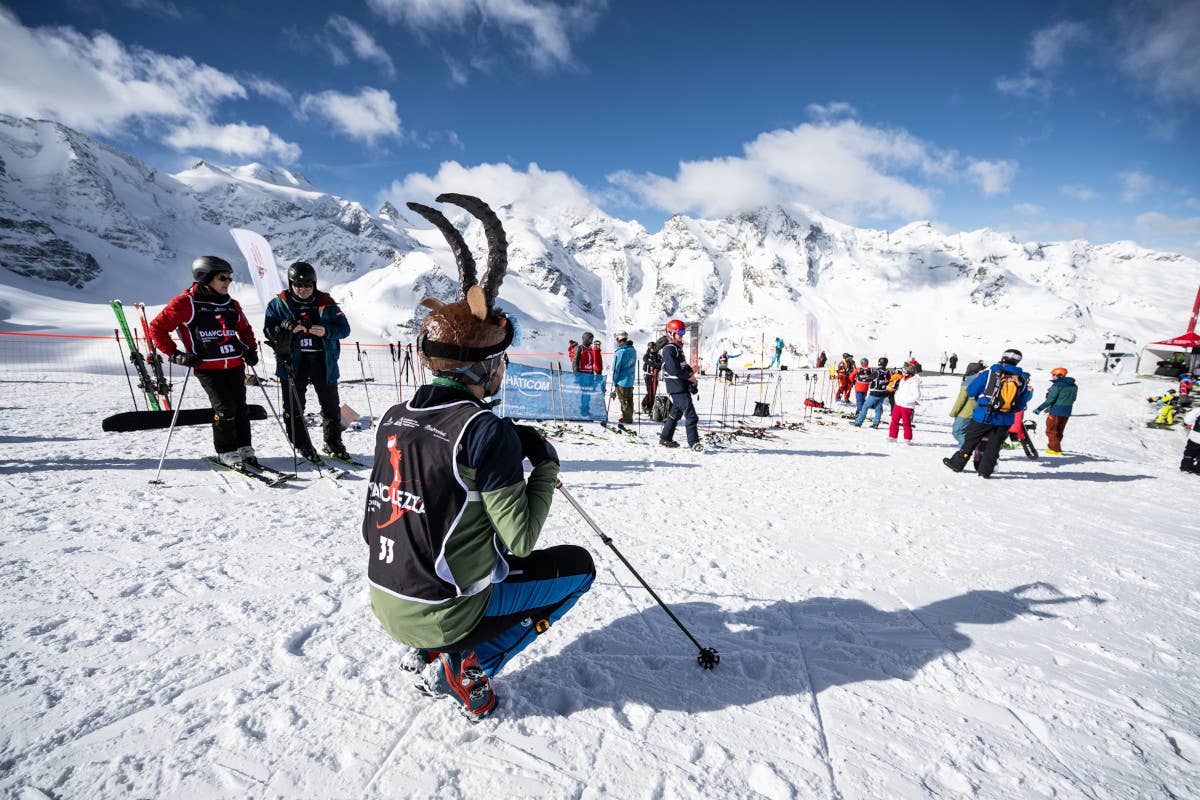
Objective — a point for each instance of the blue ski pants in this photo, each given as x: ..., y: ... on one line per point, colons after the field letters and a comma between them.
x: 871, y: 402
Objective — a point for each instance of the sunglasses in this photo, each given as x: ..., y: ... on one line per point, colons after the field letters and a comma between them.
x: 304, y: 284
x: 224, y: 277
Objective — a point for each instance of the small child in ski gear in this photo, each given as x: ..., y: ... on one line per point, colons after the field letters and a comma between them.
x: 305, y: 327
x: 218, y: 346
x: 1060, y: 399
x: 908, y: 396
x: 679, y: 379
x: 1000, y: 392
x: 448, y: 469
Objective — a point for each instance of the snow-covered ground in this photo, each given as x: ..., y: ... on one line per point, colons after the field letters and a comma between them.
x: 887, y: 629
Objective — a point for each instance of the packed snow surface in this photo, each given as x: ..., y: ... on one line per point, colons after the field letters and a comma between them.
x: 887, y: 629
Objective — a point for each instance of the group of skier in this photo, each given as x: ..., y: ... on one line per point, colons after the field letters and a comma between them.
x: 303, y: 324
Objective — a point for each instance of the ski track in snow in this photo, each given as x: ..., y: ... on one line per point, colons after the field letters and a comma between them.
x: 886, y: 628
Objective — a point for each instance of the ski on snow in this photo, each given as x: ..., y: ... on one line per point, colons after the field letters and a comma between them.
x: 268, y: 475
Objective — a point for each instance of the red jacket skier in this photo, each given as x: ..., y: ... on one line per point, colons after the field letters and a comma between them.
x: 218, y: 344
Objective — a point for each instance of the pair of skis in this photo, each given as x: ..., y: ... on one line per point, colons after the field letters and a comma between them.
x: 155, y: 386
x: 256, y: 472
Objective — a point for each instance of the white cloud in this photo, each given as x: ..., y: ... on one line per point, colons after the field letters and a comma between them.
x: 1135, y: 184
x: 535, y: 189
x: 1024, y: 86
x: 1028, y: 209
x: 1047, y: 51
x: 1048, y: 45
x: 834, y: 110
x: 1192, y: 202
x: 1155, y: 224
x: 369, y: 115
x: 542, y: 30
x: 270, y: 90
x: 99, y: 85
x: 1079, y: 192
x: 237, y: 139
x: 846, y: 169
x: 361, y: 43
x: 1158, y: 48
x: 993, y: 177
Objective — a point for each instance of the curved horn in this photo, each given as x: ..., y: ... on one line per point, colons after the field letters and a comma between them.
x: 497, y: 263
x: 462, y: 254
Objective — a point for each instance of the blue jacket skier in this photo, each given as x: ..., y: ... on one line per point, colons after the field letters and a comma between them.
x: 1000, y: 392
x: 624, y: 374
x: 778, y: 353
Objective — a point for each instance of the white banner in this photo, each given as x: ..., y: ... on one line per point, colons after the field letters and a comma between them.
x: 610, y: 296
x: 261, y: 262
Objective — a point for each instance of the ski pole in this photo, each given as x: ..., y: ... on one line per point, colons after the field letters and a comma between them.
x: 171, y: 430
x: 363, y: 372
x: 395, y: 372
x: 128, y: 379
x: 708, y: 657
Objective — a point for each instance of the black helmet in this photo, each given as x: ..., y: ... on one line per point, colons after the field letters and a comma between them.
x: 883, y: 362
x: 302, y: 272
x: 1011, y: 356
x: 864, y: 361
x: 204, y: 267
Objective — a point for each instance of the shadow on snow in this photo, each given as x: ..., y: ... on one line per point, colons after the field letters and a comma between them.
x: 643, y: 658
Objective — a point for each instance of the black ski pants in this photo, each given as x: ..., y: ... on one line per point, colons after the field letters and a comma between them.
x: 312, y: 373
x: 226, y: 390
x: 1191, y: 451
x: 681, y: 408
x: 975, y: 433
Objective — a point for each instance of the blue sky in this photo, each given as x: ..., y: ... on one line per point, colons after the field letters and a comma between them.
x: 1052, y: 119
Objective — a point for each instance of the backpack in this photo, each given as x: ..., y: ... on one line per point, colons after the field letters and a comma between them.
x: 880, y: 379
x: 1004, y: 390
x: 662, y: 405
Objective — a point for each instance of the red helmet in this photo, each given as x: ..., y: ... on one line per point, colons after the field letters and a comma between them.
x: 1058, y: 372
x: 676, y: 327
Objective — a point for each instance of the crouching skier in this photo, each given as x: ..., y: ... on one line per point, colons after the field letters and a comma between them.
x: 450, y: 520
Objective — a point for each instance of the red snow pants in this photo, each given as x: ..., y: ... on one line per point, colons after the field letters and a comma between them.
x: 900, y: 414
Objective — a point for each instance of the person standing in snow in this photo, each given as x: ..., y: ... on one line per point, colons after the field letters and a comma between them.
x: 861, y: 378
x: 723, y: 370
x: 821, y: 359
x: 945, y: 358
x: 1191, y: 450
x: 953, y: 362
x: 844, y: 368
x: 1060, y: 399
x: 778, y: 353
x: 1000, y: 392
x: 447, y: 471
x: 624, y: 374
x: 964, y: 405
x: 681, y: 385
x: 305, y: 326
x: 587, y: 356
x: 907, y: 396
x: 218, y: 346
x: 1168, y: 401
x: 877, y: 393
x: 651, y: 364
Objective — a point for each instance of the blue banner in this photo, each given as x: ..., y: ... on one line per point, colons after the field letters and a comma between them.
x: 530, y: 393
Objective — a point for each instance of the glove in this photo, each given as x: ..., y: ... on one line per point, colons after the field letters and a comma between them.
x: 693, y: 388
x: 186, y: 359
x: 250, y: 357
x: 534, y: 445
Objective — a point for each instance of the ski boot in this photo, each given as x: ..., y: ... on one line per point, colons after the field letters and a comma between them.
x: 231, y: 459
x: 248, y: 457
x: 668, y: 443
x: 451, y: 675
x: 698, y: 447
